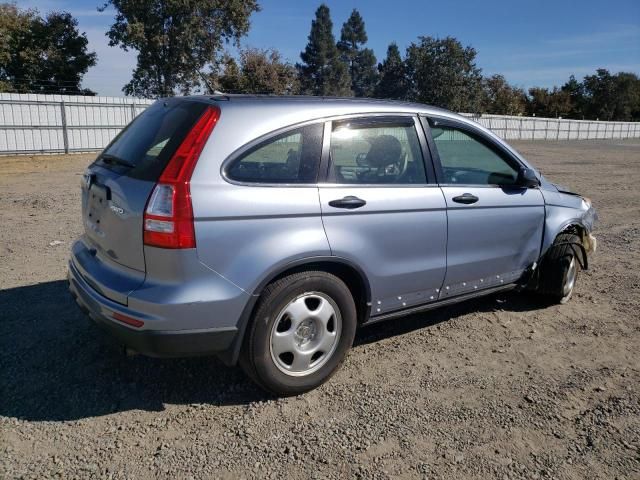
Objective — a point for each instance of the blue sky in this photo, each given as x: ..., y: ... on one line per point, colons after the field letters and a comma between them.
x: 536, y: 43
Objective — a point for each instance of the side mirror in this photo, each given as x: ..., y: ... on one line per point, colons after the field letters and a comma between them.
x: 527, y: 178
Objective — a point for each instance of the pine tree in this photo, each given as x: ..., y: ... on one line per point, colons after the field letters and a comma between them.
x: 361, y: 62
x: 393, y: 79
x: 322, y: 71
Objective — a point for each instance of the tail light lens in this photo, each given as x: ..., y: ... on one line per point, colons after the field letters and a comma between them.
x: 168, y: 218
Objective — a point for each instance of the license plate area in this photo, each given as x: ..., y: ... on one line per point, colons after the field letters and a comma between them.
x: 97, y: 204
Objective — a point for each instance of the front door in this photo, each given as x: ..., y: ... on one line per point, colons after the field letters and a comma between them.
x: 381, y: 213
x: 494, y: 226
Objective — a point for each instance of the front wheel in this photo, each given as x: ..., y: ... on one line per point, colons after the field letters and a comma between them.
x: 559, y: 269
x: 301, y: 331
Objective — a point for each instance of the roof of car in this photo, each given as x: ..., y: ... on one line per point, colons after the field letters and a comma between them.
x: 398, y: 105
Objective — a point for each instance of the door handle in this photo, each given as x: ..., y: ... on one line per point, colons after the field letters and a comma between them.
x: 466, y: 198
x: 349, y: 202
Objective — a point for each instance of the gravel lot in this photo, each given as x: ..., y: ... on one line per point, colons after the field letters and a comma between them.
x: 500, y: 387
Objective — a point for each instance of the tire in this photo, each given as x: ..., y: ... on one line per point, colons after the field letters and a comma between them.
x: 300, y: 333
x: 559, y: 270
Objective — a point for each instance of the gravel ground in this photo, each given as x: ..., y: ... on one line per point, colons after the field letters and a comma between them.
x: 500, y: 387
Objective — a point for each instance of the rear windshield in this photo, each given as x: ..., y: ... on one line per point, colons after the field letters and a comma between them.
x: 144, y: 147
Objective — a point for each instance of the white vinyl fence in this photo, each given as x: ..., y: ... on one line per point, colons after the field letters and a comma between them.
x: 32, y: 123
x: 539, y: 128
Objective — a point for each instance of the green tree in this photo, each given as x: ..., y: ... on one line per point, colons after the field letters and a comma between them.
x: 392, y: 76
x: 175, y: 39
x: 600, y: 90
x: 18, y: 55
x: 600, y: 96
x: 548, y: 103
x: 575, y: 90
x: 260, y: 72
x: 322, y: 71
x: 538, y: 102
x: 361, y: 61
x: 43, y: 55
x: 501, y: 98
x: 443, y: 73
x: 225, y: 76
x: 612, y: 97
x: 627, y: 98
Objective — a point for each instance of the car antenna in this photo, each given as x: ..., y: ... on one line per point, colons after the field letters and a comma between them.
x: 206, y: 82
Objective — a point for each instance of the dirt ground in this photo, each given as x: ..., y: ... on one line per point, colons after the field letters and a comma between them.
x: 500, y: 387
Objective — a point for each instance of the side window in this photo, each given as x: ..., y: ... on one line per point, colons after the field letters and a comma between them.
x: 466, y: 160
x: 380, y: 154
x: 292, y: 157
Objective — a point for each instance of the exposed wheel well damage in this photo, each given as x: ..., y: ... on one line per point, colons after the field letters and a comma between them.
x: 589, y: 242
x: 574, y: 228
x: 580, y: 249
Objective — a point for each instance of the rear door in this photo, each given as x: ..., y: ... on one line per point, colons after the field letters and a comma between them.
x: 494, y: 226
x: 381, y: 212
x: 117, y: 185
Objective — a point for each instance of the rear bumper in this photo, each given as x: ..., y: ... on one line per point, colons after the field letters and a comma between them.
x: 151, y: 342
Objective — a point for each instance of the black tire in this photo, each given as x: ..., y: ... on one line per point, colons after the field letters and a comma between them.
x: 558, y: 267
x: 256, y: 357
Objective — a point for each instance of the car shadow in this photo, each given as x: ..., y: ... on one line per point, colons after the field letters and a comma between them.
x: 56, y: 365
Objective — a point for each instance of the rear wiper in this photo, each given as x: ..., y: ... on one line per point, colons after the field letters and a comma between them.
x: 115, y: 160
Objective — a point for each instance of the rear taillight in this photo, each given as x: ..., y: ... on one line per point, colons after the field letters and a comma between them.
x: 168, y: 218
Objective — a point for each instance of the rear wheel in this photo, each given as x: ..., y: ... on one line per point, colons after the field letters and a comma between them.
x: 559, y: 269
x: 301, y: 331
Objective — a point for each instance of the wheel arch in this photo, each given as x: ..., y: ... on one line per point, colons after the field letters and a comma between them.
x: 350, y: 273
x: 576, y: 228
x: 552, y: 230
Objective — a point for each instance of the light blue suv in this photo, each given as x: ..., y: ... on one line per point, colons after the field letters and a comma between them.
x: 267, y: 229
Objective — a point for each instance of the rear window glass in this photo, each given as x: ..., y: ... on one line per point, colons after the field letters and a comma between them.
x: 144, y: 147
x: 292, y: 157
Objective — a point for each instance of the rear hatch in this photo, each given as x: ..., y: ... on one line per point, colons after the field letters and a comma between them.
x: 117, y: 185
